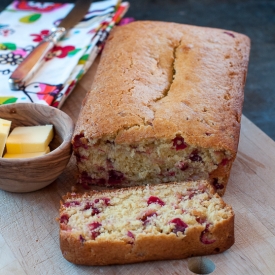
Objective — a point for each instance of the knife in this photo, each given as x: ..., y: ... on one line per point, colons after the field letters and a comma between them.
x: 34, y: 60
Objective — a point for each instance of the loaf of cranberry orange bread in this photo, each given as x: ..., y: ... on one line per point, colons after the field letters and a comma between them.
x: 130, y: 225
x: 165, y: 105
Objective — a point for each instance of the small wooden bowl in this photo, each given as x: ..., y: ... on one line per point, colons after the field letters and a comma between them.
x: 30, y: 174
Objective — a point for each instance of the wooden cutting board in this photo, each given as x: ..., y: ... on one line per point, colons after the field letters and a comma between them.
x: 29, y: 240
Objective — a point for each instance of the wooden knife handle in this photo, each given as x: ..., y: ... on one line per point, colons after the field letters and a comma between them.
x: 34, y: 60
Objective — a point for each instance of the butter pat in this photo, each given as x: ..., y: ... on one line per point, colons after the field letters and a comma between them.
x: 5, y: 126
x: 27, y: 155
x: 29, y: 139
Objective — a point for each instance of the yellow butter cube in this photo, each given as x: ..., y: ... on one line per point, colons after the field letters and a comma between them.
x: 4, y: 131
x: 29, y: 139
x: 26, y: 155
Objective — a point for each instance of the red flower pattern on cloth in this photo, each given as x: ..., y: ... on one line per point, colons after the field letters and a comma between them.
x: 39, y: 37
x: 59, y: 51
x: 34, y: 6
x: 71, y: 58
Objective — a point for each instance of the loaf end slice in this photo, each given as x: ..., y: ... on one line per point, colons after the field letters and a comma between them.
x: 131, y: 225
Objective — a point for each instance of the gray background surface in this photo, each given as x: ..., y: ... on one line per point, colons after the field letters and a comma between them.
x: 254, y: 18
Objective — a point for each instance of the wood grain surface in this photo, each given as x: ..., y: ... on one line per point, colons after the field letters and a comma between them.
x: 29, y: 240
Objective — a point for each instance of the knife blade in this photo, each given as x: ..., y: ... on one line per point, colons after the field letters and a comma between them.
x: 34, y: 60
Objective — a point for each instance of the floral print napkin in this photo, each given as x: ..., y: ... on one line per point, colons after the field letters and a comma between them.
x: 24, y: 24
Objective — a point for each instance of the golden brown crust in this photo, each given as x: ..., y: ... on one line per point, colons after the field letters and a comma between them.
x: 146, y: 245
x: 134, y: 96
x: 157, y: 81
x: 146, y: 248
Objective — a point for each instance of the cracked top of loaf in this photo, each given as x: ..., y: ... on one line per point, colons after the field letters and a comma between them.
x: 157, y: 80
